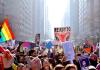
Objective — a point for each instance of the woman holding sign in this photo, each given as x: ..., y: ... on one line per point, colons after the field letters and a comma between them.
x: 69, y: 51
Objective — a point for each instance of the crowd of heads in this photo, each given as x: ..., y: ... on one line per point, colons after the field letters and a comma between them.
x: 38, y: 58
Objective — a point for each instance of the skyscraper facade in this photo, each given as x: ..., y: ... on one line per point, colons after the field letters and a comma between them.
x: 26, y: 18
x: 38, y: 17
x: 19, y: 13
x: 89, y: 23
x: 74, y: 19
x: 84, y: 19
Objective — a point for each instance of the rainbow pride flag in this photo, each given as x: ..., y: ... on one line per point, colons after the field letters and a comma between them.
x: 6, y: 32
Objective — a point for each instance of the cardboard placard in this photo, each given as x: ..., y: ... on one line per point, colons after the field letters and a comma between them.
x: 62, y: 33
x: 84, y: 61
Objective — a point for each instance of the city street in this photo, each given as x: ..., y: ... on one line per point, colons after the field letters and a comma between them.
x: 49, y: 34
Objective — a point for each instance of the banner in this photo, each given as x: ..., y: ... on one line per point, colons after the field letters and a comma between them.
x: 62, y: 33
x: 24, y: 46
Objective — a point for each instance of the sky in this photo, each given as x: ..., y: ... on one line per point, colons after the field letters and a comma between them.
x: 56, y: 12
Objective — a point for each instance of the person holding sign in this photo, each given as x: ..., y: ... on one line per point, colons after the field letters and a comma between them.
x: 84, y: 62
x: 69, y: 51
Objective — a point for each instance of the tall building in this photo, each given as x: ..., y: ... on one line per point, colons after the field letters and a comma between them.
x: 19, y: 13
x: 39, y: 18
x: 1, y: 10
x: 74, y: 19
x: 66, y: 19
x: 89, y: 23
x: 85, y: 19
x: 26, y: 18
x: 96, y: 25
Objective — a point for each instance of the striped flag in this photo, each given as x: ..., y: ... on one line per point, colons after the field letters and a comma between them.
x: 6, y: 32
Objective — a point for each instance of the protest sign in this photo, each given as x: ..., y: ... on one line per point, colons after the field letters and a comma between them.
x: 49, y: 45
x: 62, y: 33
x: 84, y: 61
x: 69, y: 50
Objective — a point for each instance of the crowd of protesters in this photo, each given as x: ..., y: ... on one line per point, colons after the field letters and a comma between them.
x: 42, y: 59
